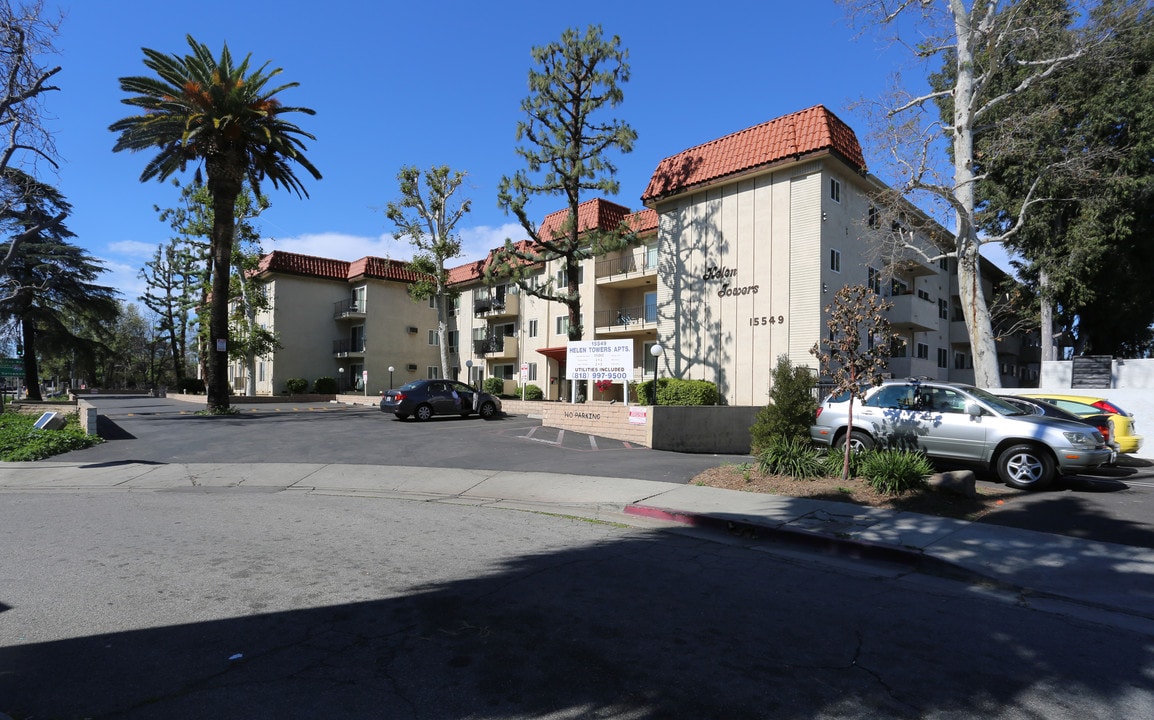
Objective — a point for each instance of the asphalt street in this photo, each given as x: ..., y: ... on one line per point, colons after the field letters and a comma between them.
x: 1113, y: 504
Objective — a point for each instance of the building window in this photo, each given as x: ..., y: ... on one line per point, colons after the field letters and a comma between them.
x: 835, y: 260
x: 834, y: 190
x: 959, y: 361
x: 898, y: 287
x: 532, y: 371
x: 875, y: 280
x: 958, y: 315
x: 532, y: 328
x: 563, y: 324
x: 943, y: 358
x: 925, y: 296
x: 505, y: 372
x: 874, y: 216
x: 562, y: 281
x: 434, y: 372
x: 260, y: 371
x: 651, y: 307
x: 434, y: 339
x: 923, y: 351
x: 453, y: 337
x: 898, y: 348
x: 944, y: 263
x: 943, y: 310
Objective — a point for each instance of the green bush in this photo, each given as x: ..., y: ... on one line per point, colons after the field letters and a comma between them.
x: 792, y: 456
x: 21, y: 441
x: 893, y: 472
x: 493, y: 385
x: 835, y: 461
x: 325, y: 386
x: 296, y: 386
x: 532, y: 392
x: 791, y: 406
x: 672, y: 391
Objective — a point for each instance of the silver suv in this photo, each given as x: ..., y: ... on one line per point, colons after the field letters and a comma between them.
x: 962, y: 423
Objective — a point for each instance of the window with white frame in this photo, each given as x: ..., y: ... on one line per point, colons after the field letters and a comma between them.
x: 835, y: 190
x: 835, y: 260
x: 532, y: 328
x: 532, y: 371
x: 563, y: 323
x: 434, y: 372
x: 562, y: 281
x: 434, y: 338
x: 453, y: 337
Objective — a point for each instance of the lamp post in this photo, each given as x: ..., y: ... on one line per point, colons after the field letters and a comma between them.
x: 341, y: 375
x: 391, y: 369
x: 469, y: 372
x: 655, y: 351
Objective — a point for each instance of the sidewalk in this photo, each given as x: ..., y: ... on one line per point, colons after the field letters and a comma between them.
x: 1039, y: 567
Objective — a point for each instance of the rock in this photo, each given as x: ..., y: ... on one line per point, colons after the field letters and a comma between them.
x: 959, y: 482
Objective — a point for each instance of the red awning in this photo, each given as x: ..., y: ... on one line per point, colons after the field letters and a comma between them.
x: 555, y: 353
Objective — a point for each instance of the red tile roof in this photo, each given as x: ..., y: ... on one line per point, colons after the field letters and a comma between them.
x: 297, y: 264
x: 642, y: 221
x: 597, y: 213
x: 793, y: 136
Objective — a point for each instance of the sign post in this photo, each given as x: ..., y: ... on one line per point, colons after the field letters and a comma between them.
x: 593, y: 360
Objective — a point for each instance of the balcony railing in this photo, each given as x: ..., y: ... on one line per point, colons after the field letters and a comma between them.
x: 502, y: 305
x: 495, y: 346
x: 625, y: 316
x: 347, y: 307
x: 348, y: 346
x: 634, y: 262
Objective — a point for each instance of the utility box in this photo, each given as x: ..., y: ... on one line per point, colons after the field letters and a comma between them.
x: 50, y: 421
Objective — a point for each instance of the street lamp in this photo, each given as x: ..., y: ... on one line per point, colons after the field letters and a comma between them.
x: 655, y: 351
x: 341, y: 375
x: 469, y: 365
x: 391, y: 369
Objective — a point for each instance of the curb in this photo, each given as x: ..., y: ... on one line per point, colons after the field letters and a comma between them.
x: 830, y: 544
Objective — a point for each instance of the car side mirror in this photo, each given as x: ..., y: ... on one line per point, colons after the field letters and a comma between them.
x: 973, y: 409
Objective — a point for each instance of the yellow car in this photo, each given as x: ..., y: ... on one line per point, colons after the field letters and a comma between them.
x: 1084, y: 405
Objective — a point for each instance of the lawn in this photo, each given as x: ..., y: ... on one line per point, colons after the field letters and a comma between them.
x: 21, y: 441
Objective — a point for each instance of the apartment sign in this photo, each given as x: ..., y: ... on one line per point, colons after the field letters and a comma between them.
x: 600, y: 360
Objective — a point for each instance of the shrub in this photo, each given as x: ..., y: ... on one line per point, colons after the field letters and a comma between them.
x: 325, y: 386
x: 834, y: 461
x: 20, y: 441
x: 893, y: 472
x: 296, y: 386
x: 673, y: 391
x: 493, y: 385
x: 791, y: 406
x: 532, y: 392
x: 791, y: 456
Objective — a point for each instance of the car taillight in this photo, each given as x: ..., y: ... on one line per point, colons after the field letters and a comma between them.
x: 398, y: 396
x: 818, y: 412
x: 1105, y: 430
x: 1109, y: 407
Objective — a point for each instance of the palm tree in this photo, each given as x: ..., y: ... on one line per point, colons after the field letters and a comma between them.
x: 205, y: 109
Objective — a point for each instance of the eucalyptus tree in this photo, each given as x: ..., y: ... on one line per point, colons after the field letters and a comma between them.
x: 428, y: 219
x: 208, y: 110
x: 566, y: 153
x: 977, y: 39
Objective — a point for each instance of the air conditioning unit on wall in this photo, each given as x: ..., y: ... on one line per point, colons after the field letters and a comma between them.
x: 412, y: 329
x: 411, y: 367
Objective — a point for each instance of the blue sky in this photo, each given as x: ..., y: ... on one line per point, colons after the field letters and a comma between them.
x: 404, y: 83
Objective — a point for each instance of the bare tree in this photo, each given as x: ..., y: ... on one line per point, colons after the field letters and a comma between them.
x: 428, y: 219
x: 855, y: 352
x: 975, y: 42
x: 26, y: 37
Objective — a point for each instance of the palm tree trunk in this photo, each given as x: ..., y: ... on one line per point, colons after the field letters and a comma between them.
x: 224, y: 193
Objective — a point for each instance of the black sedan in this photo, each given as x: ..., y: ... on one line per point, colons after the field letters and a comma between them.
x: 422, y: 399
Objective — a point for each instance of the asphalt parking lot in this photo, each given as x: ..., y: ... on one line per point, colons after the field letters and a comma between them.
x: 1113, y: 504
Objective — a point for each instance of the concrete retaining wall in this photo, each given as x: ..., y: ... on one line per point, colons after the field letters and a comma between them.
x: 629, y: 423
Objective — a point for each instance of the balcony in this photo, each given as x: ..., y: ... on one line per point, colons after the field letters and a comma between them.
x: 630, y: 269
x: 910, y: 312
x: 347, y: 347
x: 348, y: 308
x: 495, y: 346
x: 507, y: 305
x: 626, y: 320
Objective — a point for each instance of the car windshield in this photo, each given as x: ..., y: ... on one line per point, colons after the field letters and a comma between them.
x: 1002, y: 406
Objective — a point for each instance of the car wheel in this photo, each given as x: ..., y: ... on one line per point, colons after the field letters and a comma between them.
x: 423, y: 412
x: 488, y: 410
x: 1026, y: 467
x: 858, y: 441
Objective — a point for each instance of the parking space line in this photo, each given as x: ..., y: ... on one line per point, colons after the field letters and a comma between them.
x: 593, y: 442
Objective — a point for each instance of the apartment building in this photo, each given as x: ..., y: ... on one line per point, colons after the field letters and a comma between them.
x: 742, y: 242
